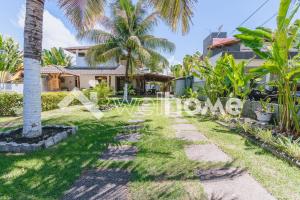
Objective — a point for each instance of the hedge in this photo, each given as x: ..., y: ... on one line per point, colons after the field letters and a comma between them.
x: 11, y: 103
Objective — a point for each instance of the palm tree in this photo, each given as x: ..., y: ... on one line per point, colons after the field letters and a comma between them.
x: 56, y: 56
x: 83, y: 13
x: 274, y: 48
x: 33, y: 35
x: 128, y: 39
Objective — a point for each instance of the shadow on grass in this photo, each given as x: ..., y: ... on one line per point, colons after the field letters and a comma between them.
x: 48, y: 173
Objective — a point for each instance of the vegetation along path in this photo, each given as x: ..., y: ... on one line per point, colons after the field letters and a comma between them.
x: 164, y: 160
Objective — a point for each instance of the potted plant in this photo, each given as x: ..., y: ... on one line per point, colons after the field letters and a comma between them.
x: 265, y: 111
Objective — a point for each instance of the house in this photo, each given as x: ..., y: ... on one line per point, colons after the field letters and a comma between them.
x: 217, y: 44
x: 83, y: 76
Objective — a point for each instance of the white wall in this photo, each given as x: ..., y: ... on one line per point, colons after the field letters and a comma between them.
x: 87, y: 81
x: 8, y: 87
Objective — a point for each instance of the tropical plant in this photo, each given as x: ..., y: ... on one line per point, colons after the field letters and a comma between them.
x: 56, y: 56
x: 11, y: 58
x: 128, y: 39
x: 85, y: 13
x: 177, y: 70
x: 236, y: 74
x: 274, y: 47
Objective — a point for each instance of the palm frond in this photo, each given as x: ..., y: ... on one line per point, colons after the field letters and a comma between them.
x: 176, y: 12
x: 158, y: 43
x: 83, y: 13
x: 94, y: 35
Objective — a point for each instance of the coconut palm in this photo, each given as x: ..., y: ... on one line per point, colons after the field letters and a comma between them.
x: 128, y: 39
x: 85, y: 13
x: 56, y: 56
x: 274, y: 47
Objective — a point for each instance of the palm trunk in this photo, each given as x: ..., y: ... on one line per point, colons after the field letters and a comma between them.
x: 33, y: 35
x: 125, y: 97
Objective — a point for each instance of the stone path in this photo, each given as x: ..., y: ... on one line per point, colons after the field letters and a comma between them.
x: 108, y: 184
x: 119, y: 153
x: 100, y: 184
x: 225, y: 184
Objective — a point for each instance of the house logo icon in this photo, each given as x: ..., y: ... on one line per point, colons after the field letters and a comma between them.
x: 76, y: 94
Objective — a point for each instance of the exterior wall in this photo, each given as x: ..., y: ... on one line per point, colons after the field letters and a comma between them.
x: 113, y: 83
x: 8, y: 87
x: 87, y: 81
x: 68, y: 84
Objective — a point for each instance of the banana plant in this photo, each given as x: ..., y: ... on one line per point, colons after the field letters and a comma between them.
x: 56, y: 56
x: 236, y: 73
x: 275, y: 47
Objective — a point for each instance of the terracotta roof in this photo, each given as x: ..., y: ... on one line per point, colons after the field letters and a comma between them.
x: 120, y: 70
x: 219, y: 42
x: 57, y: 70
x: 74, y: 49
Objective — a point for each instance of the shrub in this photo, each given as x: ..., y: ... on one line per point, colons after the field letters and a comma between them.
x: 11, y: 103
x: 102, y: 91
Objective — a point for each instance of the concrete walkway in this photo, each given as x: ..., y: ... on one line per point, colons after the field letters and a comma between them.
x: 225, y: 184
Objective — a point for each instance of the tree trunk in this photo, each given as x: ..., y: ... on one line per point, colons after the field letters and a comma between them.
x: 33, y: 35
x: 125, y: 97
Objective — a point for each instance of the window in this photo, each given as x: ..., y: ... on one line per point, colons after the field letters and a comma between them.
x: 81, y: 54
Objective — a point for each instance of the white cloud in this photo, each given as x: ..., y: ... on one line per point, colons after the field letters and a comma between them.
x: 55, y: 33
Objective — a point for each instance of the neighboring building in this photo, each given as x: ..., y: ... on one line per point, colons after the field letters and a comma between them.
x: 217, y: 44
x: 83, y: 76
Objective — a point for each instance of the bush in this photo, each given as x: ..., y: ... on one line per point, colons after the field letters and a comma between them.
x: 102, y: 91
x: 11, y: 103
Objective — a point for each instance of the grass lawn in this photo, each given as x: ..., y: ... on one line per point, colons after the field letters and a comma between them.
x: 160, y: 171
x: 48, y: 173
x: 277, y: 176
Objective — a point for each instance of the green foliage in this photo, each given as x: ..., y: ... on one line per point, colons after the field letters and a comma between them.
x: 56, y: 56
x: 190, y: 93
x: 102, y: 91
x: 10, y: 57
x: 11, y: 103
x: 274, y: 48
x: 128, y: 38
x: 225, y: 78
x: 177, y: 70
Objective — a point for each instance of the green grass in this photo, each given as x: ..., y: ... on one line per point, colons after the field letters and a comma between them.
x: 160, y: 171
x: 277, y: 176
x: 48, y: 173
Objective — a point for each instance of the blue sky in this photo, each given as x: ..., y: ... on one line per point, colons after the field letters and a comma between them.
x: 209, y: 16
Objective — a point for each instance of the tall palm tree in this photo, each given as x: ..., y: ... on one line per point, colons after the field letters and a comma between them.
x: 83, y: 13
x: 127, y: 39
x: 33, y: 35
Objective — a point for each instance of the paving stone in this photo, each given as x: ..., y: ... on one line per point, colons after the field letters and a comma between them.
x: 184, y: 127
x: 100, y: 184
x: 120, y: 153
x: 191, y: 136
x: 220, y: 173
x: 136, y: 121
x: 181, y: 120
x: 134, y: 137
x: 206, y: 153
x: 242, y: 187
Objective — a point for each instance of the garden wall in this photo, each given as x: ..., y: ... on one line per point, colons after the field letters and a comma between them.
x: 250, y: 107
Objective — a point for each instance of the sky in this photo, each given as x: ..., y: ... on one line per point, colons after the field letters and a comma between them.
x: 209, y: 16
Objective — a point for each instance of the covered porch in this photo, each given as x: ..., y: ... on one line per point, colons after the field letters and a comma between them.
x: 56, y: 78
